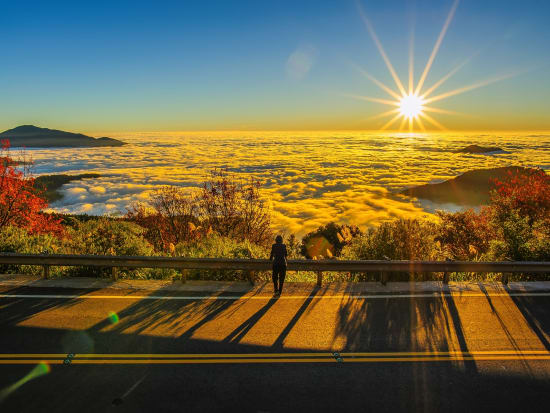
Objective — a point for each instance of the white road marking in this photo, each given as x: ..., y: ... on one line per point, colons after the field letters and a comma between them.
x: 266, y: 297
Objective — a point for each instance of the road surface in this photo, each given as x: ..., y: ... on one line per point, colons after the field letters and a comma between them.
x: 72, y: 350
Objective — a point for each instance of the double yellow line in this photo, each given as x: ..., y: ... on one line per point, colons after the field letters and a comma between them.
x: 380, y: 357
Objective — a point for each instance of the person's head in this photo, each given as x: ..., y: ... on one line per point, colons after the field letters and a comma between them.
x: 279, y: 239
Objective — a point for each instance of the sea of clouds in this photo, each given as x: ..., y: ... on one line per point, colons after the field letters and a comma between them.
x: 309, y: 178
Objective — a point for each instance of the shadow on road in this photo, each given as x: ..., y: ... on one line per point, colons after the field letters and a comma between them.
x: 396, y: 324
x: 536, y: 315
x: 402, y: 324
x: 279, y: 342
x: 15, y: 310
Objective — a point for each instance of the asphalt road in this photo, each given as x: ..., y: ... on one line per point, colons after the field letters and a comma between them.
x: 68, y: 350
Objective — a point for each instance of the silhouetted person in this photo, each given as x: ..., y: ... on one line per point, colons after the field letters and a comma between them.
x: 278, y: 256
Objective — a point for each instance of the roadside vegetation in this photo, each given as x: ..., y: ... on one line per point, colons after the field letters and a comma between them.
x: 228, y: 218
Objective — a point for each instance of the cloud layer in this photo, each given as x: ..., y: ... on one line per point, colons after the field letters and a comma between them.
x: 310, y: 178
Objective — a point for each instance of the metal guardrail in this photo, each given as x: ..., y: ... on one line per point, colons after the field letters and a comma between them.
x: 252, y: 265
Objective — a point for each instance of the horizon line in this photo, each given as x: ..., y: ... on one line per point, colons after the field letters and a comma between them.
x: 325, y: 130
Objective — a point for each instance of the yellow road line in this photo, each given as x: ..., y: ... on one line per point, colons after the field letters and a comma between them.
x: 28, y: 361
x: 302, y: 360
x: 456, y: 353
x: 437, y: 294
x: 437, y: 358
x: 171, y: 355
x: 281, y: 360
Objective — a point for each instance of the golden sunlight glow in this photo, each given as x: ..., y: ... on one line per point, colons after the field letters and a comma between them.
x: 411, y: 106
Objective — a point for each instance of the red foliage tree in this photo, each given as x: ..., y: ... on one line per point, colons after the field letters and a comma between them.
x: 527, y: 192
x: 169, y: 218
x: 465, y: 235
x: 235, y: 208
x: 20, y: 201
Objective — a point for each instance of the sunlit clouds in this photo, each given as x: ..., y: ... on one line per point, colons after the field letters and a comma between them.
x: 310, y: 178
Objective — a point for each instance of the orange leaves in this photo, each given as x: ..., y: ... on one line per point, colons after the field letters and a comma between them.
x: 20, y: 203
x: 526, y: 192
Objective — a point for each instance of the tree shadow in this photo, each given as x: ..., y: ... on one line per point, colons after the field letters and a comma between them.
x: 146, y: 314
x: 536, y: 314
x: 17, y: 309
x: 404, y: 323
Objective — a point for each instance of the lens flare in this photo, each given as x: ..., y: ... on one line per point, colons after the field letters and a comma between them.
x: 40, y: 369
x: 319, y: 247
x: 113, y: 317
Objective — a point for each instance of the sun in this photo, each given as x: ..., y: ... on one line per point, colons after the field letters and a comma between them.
x: 411, y: 106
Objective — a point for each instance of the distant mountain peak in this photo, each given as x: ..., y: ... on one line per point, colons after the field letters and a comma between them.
x: 472, y: 188
x: 34, y: 136
x: 26, y: 128
x: 477, y: 149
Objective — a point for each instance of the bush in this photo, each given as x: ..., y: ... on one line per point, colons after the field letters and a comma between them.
x: 465, y: 235
x: 108, y: 236
x: 519, y: 241
x: 216, y: 246
x: 18, y: 240
x: 526, y: 191
x: 540, y: 243
x: 403, y: 239
x: 519, y: 215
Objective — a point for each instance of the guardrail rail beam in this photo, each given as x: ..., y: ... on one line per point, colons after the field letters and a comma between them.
x: 251, y: 266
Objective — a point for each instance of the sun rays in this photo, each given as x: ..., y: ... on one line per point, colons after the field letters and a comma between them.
x: 411, y: 105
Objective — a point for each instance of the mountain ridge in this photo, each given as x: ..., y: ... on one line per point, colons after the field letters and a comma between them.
x: 471, y: 188
x: 37, y: 137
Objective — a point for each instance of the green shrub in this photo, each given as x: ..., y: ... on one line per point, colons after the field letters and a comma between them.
x: 107, y: 236
x: 216, y: 246
x: 540, y: 243
x: 518, y: 240
x: 18, y: 240
x: 402, y: 239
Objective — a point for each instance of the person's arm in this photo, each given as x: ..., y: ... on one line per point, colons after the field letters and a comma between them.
x: 285, y: 253
x: 271, y: 255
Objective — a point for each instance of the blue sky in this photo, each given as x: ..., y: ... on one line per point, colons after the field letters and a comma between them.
x: 130, y: 66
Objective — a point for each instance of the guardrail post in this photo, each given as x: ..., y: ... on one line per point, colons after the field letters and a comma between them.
x: 183, y: 276
x: 45, y: 272
x: 114, y: 273
x: 446, y: 273
x: 251, y: 277
x: 384, y: 275
x: 505, y: 278
x: 319, y: 278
